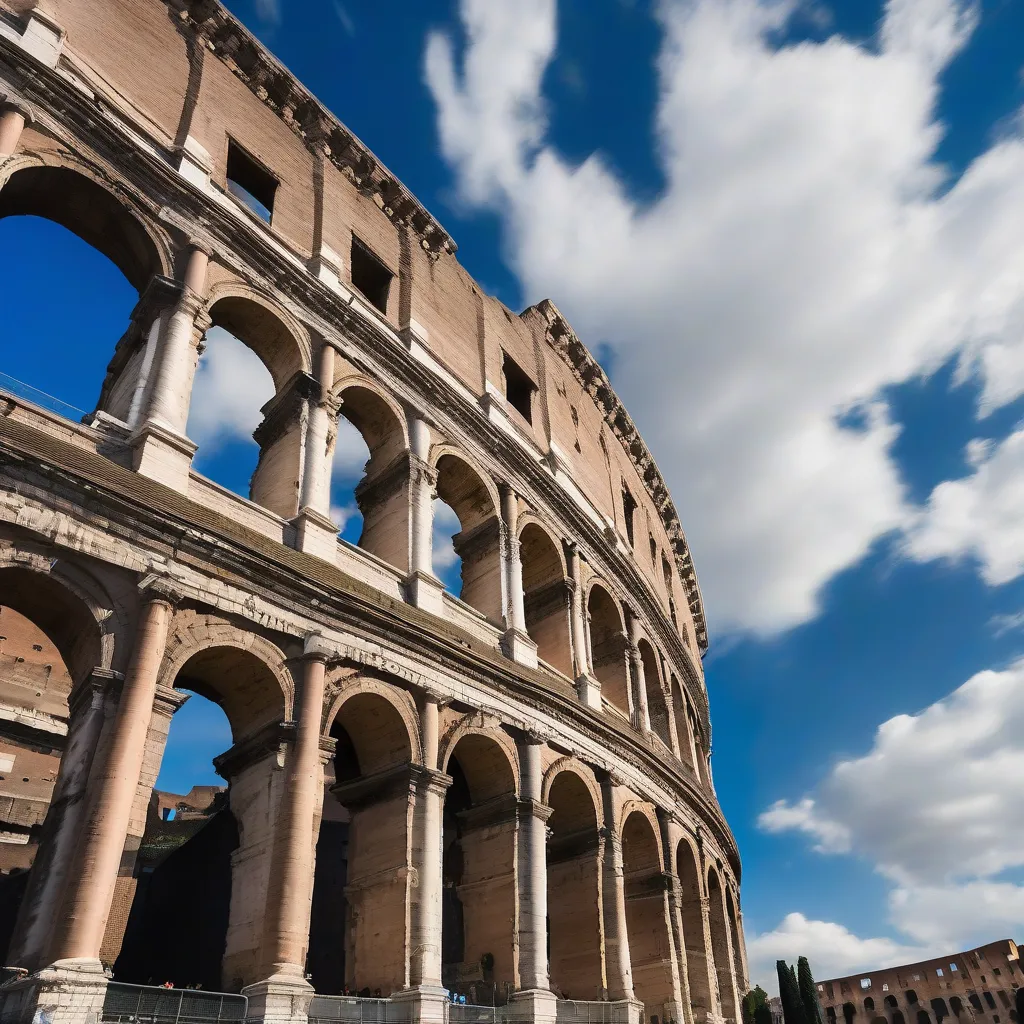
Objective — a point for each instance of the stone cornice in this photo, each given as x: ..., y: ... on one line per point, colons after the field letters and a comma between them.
x: 275, y: 86
x: 377, y: 351
x: 595, y: 382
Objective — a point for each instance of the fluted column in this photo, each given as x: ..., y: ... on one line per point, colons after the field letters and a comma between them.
x: 316, y: 477
x: 288, y: 899
x: 709, y: 952
x: 588, y: 688
x: 93, y: 871
x: 63, y: 823
x: 636, y: 672
x: 517, y: 642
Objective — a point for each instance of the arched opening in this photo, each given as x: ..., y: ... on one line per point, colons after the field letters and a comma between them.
x: 923, y: 1017
x: 869, y: 1005
x: 73, y: 235
x: 697, y: 967
x: 177, y: 927
x: 734, y: 935
x: 975, y: 1002
x: 911, y: 997
x: 50, y: 648
x: 573, y: 866
x: 891, y: 1003
x: 879, y: 1020
x: 897, y: 1017
x: 647, y: 923
x: 701, y: 766
x: 231, y: 393
x: 830, y: 1014
x: 251, y: 696
x: 656, y: 706
x: 370, y: 486
x: 478, y: 873
x: 956, y: 1005
x: 940, y: 1010
x: 546, y: 598
x: 608, y: 648
x: 680, y: 710
x: 358, y: 931
x: 477, y: 544
x: 849, y: 1012
x: 720, y: 945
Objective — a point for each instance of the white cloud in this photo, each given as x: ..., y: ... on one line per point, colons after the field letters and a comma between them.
x: 231, y: 387
x: 979, y: 516
x: 833, y: 950
x: 937, y: 807
x: 446, y: 524
x: 350, y: 452
x: 268, y: 11
x: 341, y: 514
x: 807, y: 251
x: 1003, y: 624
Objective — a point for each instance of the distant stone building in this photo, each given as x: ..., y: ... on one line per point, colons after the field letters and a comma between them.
x: 975, y: 987
x: 775, y: 1005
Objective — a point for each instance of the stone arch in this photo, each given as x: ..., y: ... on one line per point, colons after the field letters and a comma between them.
x: 358, y: 925
x: 480, y: 829
x: 569, y: 763
x: 382, y: 494
x: 473, y: 498
x: 545, y: 594
x: 647, y: 917
x: 699, y: 968
x: 283, y: 346
x: 681, y: 713
x: 732, y: 916
x: 869, y: 1005
x: 657, y: 707
x: 76, y: 196
x: 243, y: 672
x: 369, y: 740
x: 720, y: 943
x: 573, y: 872
x: 607, y: 636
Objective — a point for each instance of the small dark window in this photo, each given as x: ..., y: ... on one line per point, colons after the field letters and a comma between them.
x: 654, y: 551
x: 672, y: 613
x: 519, y: 388
x: 666, y: 571
x: 370, y: 275
x: 39, y: 647
x: 975, y: 1002
x: 990, y: 1000
x: 251, y: 183
x: 628, y: 508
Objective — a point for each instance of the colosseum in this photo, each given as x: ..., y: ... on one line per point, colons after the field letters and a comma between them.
x: 505, y: 791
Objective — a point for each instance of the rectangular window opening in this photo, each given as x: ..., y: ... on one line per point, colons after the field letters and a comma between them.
x: 629, y: 507
x: 370, y: 275
x: 938, y: 972
x: 865, y: 983
x: 519, y: 387
x: 250, y: 182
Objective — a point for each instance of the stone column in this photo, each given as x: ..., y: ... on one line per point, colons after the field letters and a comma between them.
x: 672, y: 918
x: 13, y: 116
x: 588, y: 688
x: 162, y: 451
x: 425, y: 589
x: 518, y: 644
x: 285, y: 995
x: 316, y: 533
x: 93, y: 870
x: 709, y: 950
x: 636, y: 672
x: 618, y: 968
x: 426, y: 996
x: 63, y: 823
x: 534, y: 986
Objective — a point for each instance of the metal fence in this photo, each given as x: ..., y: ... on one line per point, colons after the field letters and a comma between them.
x: 576, y: 1011
x: 468, y: 1013
x: 357, y: 1010
x: 145, y: 1004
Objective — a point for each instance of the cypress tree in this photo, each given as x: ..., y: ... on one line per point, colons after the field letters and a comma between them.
x: 808, y: 992
x: 763, y: 1014
x: 789, y: 993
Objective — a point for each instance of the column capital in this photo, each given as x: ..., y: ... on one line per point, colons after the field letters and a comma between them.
x: 534, y: 809
x: 8, y: 101
x: 94, y: 689
x: 315, y: 648
x: 156, y: 588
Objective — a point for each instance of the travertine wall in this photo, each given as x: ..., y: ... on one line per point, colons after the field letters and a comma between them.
x: 452, y: 725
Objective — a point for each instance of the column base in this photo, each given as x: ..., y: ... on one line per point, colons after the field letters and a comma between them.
x: 66, y: 992
x: 316, y: 534
x: 519, y: 647
x: 281, y: 999
x: 426, y: 1004
x: 163, y: 455
x: 589, y: 690
x: 426, y: 592
x: 538, y: 1005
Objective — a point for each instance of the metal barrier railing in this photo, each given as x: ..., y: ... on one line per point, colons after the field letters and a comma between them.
x: 581, y: 1011
x: 357, y: 1010
x: 469, y: 1013
x: 146, y: 1004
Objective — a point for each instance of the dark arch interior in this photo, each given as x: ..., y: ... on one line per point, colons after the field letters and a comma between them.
x: 607, y: 648
x: 656, y: 706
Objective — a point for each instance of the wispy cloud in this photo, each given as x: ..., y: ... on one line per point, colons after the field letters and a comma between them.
x: 344, y: 17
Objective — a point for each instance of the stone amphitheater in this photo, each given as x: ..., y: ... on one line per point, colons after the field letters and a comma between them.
x: 522, y: 769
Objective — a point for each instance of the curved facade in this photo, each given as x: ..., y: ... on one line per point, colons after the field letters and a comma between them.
x: 521, y: 771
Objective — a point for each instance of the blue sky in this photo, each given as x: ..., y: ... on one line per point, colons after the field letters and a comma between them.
x: 794, y: 233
